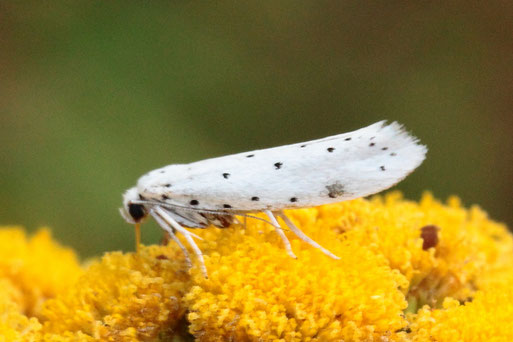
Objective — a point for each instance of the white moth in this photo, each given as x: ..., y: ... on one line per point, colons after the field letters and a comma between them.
x: 215, y: 191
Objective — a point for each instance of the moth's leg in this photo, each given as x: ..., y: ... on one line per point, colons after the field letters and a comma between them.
x: 171, y: 233
x: 280, y: 232
x: 302, y: 235
x: 188, y: 236
x: 184, y: 250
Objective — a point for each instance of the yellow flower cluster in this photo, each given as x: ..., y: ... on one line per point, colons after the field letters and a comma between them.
x: 31, y: 271
x: 408, y: 271
x: 128, y: 297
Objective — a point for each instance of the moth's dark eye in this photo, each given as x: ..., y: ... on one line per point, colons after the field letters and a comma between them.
x: 137, y: 211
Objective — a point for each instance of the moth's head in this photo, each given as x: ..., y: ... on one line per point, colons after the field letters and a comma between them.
x: 132, y: 211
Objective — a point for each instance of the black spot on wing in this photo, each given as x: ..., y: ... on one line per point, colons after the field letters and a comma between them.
x: 165, y: 197
x: 372, y: 144
x: 382, y: 168
x: 227, y: 206
x: 278, y: 165
x: 302, y: 146
x: 167, y: 185
x: 250, y: 156
x: 384, y: 148
x: 331, y: 149
x: 347, y: 139
x: 255, y: 198
x: 335, y: 190
x: 194, y: 202
x: 293, y: 199
x: 226, y: 175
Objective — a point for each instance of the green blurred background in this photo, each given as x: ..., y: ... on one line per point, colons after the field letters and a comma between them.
x: 93, y: 94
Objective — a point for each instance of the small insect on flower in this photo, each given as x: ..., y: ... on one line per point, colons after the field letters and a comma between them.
x: 215, y: 191
x: 429, y: 235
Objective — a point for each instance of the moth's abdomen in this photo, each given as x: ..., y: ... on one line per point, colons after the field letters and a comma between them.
x: 219, y: 220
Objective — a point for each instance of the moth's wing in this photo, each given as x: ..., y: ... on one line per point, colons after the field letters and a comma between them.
x: 327, y: 170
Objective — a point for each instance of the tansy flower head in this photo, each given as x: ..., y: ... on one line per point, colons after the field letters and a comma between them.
x: 37, y: 266
x: 124, y: 297
x: 408, y: 272
x: 31, y: 271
